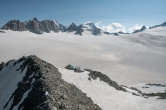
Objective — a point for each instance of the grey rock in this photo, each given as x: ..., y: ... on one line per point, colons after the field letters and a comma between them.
x: 39, y: 27
x: 160, y: 85
x: 72, y: 27
x: 15, y: 26
x: 34, y: 26
x: 95, y: 74
x: 79, y: 30
x: 61, y: 95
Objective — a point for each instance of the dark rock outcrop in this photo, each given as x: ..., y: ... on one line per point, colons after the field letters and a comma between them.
x: 160, y: 85
x: 95, y: 74
x: 72, y: 27
x: 146, y: 95
x: 79, y: 30
x: 159, y: 95
x: 120, y: 32
x: 47, y: 91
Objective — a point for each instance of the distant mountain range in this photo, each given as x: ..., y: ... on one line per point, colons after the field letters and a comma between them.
x: 39, y: 27
x: 144, y: 27
x: 161, y: 25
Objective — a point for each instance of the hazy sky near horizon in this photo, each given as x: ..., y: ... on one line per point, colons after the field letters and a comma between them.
x: 125, y: 12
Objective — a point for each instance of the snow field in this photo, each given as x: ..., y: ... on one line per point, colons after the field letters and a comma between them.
x: 109, y: 98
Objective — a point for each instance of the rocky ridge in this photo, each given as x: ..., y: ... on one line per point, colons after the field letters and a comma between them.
x: 34, y: 26
x: 47, y: 91
x: 95, y: 74
x: 81, y: 28
x: 40, y: 27
x: 161, y: 25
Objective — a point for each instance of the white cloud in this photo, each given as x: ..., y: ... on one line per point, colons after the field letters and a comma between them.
x: 136, y: 27
x: 112, y: 28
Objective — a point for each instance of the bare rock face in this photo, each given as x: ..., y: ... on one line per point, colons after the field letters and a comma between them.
x: 40, y: 27
x: 15, y: 26
x: 44, y: 88
x: 34, y: 26
x: 72, y: 27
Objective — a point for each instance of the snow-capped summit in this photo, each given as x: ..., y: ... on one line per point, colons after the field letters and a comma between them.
x: 90, y: 26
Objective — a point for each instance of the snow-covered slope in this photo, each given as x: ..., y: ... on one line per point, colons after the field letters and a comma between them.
x: 31, y: 83
x: 108, y: 98
x: 9, y: 78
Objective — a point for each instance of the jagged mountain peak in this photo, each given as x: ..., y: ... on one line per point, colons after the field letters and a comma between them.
x: 143, y: 27
x: 34, y: 26
x: 40, y: 27
x: 72, y: 27
x: 140, y: 30
x: 35, y: 19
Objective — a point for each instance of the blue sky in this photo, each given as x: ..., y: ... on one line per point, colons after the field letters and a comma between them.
x: 125, y: 12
